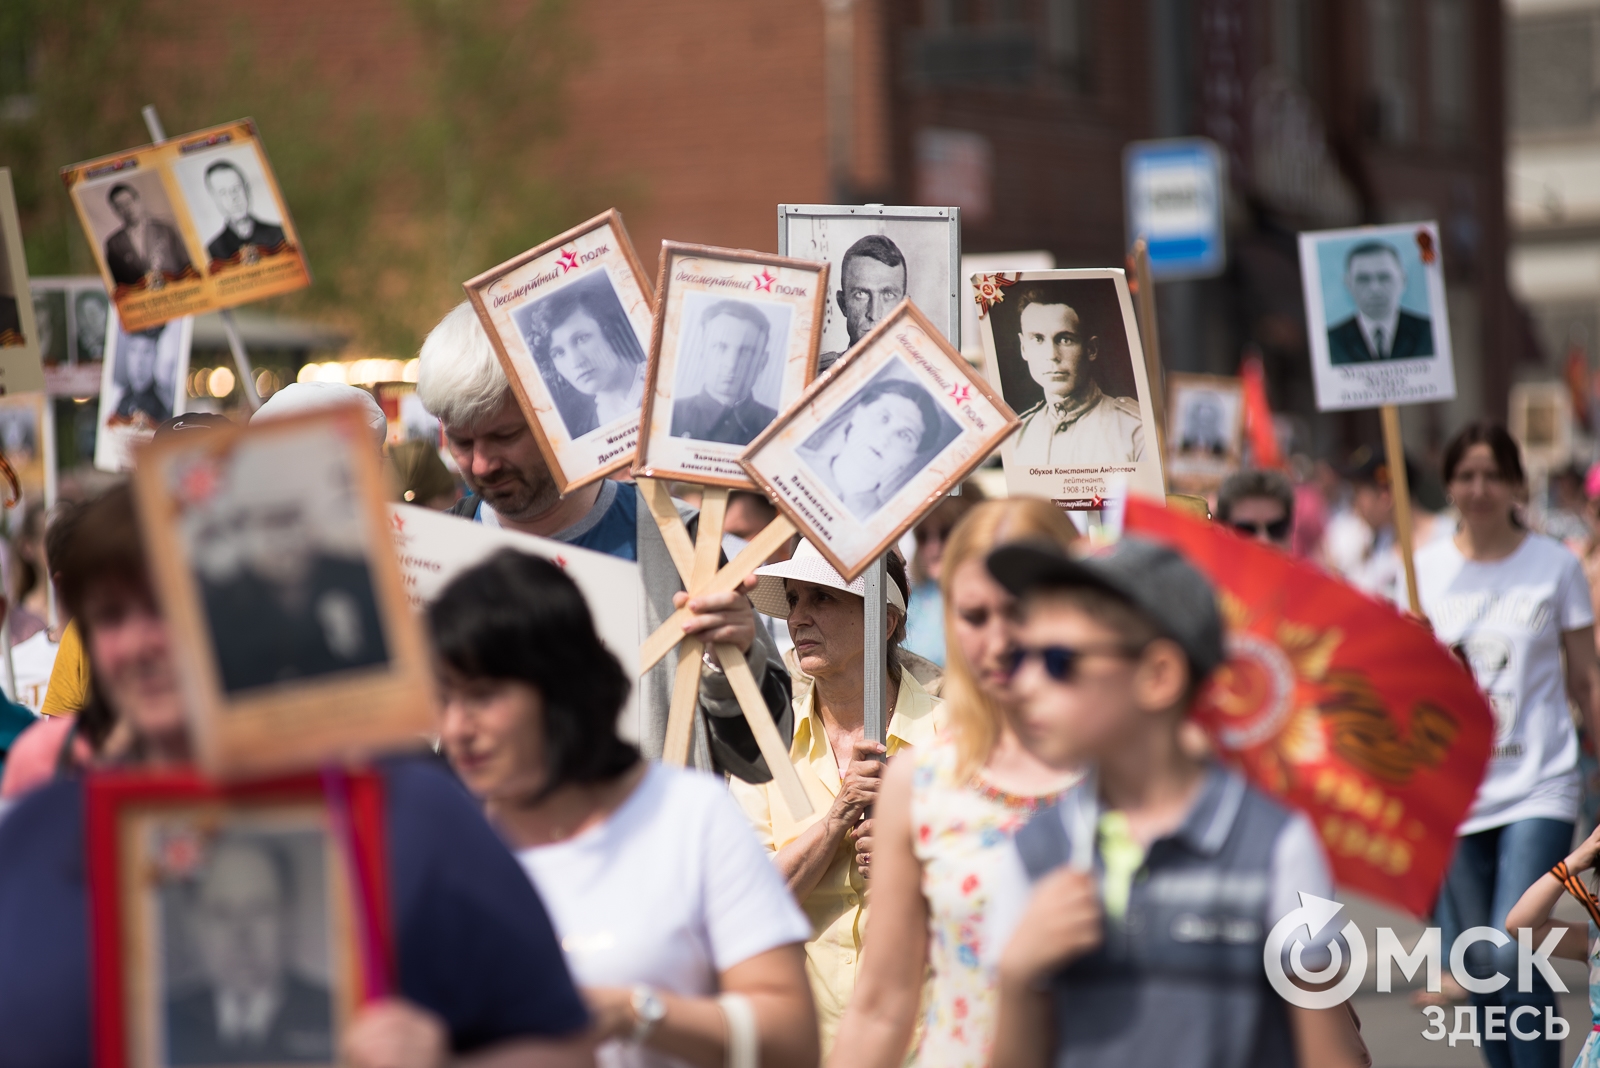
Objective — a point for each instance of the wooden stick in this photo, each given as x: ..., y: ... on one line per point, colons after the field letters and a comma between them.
x: 754, y: 706
x: 685, y: 695
x: 670, y: 523
x: 1395, y: 454
x: 1145, y: 307
x: 752, y: 556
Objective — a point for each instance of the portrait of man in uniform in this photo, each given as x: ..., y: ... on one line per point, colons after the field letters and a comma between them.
x: 144, y: 250
x: 248, y: 1005
x: 1077, y: 424
x: 733, y: 352
x: 1380, y: 329
x: 872, y: 281
x: 241, y: 232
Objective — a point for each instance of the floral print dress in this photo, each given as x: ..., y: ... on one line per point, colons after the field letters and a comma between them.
x: 1589, y: 1056
x: 957, y: 827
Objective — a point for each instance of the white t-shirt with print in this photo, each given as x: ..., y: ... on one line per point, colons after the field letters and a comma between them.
x: 670, y: 891
x: 1508, y: 617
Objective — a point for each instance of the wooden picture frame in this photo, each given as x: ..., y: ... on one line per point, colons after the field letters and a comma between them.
x: 192, y: 259
x: 584, y: 430
x: 20, y: 367
x: 175, y: 859
x: 1080, y: 386
x: 1205, y: 430
x: 941, y: 422
x: 763, y: 313
x: 271, y: 555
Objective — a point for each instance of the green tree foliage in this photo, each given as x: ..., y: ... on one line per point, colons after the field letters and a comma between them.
x: 398, y: 197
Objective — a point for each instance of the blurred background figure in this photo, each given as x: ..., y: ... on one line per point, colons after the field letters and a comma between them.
x: 1259, y: 505
x: 422, y: 476
x: 1359, y: 544
x: 925, y: 613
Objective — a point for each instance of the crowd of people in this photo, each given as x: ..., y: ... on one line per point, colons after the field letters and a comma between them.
x: 1014, y: 877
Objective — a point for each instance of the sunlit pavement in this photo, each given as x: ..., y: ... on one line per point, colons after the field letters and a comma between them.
x: 1393, y: 1026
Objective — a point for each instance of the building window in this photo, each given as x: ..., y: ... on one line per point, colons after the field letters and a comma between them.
x: 1449, y: 69
x: 1066, y: 33
x: 1014, y: 45
x: 1552, y: 73
x: 1289, y: 24
x: 1389, y: 71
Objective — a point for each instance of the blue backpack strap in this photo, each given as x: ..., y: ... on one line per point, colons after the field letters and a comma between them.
x: 1043, y: 844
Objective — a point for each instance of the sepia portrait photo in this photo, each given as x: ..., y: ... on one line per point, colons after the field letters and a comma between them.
x: 26, y: 440
x: 237, y: 937
x: 1205, y: 428
x: 1063, y: 350
x: 570, y: 321
x: 874, y: 445
x: 141, y: 386
x: 1375, y: 316
x: 234, y: 205
x: 273, y: 556
x: 878, y: 256
x: 132, y: 222
x: 734, y: 345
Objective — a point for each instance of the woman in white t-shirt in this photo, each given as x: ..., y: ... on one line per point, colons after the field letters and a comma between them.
x: 659, y: 890
x: 1516, y: 606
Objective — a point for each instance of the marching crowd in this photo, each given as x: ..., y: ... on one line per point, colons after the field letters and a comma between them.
x: 1042, y: 865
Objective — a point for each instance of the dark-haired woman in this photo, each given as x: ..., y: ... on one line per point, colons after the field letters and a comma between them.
x: 661, y: 895
x: 1515, y: 604
x: 826, y: 858
x: 481, y: 978
x: 888, y: 436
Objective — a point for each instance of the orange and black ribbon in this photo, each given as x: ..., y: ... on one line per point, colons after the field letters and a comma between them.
x: 1576, y: 888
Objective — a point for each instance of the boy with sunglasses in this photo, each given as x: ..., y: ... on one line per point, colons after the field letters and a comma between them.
x: 1258, y: 504
x: 1155, y: 881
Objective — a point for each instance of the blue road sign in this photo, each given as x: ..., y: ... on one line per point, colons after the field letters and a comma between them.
x: 1174, y: 193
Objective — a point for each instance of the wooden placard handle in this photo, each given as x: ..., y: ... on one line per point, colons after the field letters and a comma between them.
x: 1395, y: 455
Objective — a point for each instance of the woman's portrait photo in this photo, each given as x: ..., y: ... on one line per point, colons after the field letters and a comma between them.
x: 882, y: 437
x: 586, y: 352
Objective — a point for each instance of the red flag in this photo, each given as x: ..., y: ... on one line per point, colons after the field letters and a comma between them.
x: 1577, y: 376
x: 1258, y: 414
x: 1339, y: 706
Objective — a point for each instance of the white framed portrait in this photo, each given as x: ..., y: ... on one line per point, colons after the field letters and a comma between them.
x: 570, y: 321
x: 877, y: 257
x: 879, y: 440
x: 1063, y: 349
x: 1376, y: 319
x: 234, y: 203
x: 735, y: 343
x: 1205, y: 430
x: 142, y: 385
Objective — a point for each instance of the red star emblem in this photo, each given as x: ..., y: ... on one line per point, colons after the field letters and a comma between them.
x: 961, y: 393
x: 561, y: 562
x: 568, y: 260
x: 198, y: 483
x: 764, y: 281
x: 397, y: 521
x: 1097, y: 501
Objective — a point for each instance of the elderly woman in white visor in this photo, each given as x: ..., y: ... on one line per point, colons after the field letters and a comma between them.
x: 826, y: 857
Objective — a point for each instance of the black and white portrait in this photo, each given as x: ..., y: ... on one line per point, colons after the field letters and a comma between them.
x: 1066, y: 368
x: 276, y: 536
x: 877, y: 257
x: 1207, y: 420
x: 136, y: 225
x: 90, y: 310
x: 878, y: 440
x: 586, y: 352
x: 141, y: 386
x: 246, y: 975
x: 233, y: 206
x: 729, y: 368
x: 50, y: 320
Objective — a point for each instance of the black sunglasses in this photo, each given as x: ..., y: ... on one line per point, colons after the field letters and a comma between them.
x: 1277, y: 530
x: 1061, y: 661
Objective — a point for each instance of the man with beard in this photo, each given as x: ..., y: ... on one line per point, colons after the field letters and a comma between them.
x: 461, y: 382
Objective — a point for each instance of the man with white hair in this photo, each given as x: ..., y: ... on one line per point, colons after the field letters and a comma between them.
x: 460, y: 381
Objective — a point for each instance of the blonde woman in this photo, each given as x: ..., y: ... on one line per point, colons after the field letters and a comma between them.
x: 942, y: 812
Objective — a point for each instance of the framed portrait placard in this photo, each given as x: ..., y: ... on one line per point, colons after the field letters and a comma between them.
x: 142, y: 384
x: 20, y: 350
x: 878, y: 441
x: 191, y: 225
x: 735, y: 343
x: 273, y: 562
x: 1376, y: 316
x: 1062, y: 347
x: 878, y: 255
x: 1205, y: 430
x: 72, y: 313
x: 204, y: 896
x: 570, y: 321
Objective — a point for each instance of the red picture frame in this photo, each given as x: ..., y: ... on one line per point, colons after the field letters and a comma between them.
x: 116, y: 804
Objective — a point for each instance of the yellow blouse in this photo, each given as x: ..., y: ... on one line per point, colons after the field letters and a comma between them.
x: 68, y: 690
x: 837, y: 906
